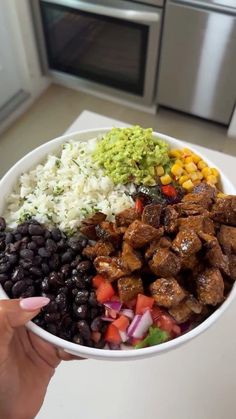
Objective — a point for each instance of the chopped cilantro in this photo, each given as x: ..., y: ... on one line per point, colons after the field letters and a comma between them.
x: 155, y: 336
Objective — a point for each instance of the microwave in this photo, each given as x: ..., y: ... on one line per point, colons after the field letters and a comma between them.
x: 110, y: 47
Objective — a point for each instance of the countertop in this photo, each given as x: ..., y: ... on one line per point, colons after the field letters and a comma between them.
x: 195, y: 381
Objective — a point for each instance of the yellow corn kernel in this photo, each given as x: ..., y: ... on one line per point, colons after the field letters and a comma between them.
x: 160, y: 171
x: 196, y: 182
x: 187, y: 151
x: 201, y: 164
x: 214, y: 172
x: 194, y: 176
x: 179, y: 162
x: 221, y: 195
x: 196, y: 158
x: 206, y: 172
x: 165, y: 180
x: 176, y: 170
x: 183, y: 179
x: 200, y: 175
x: 188, y: 185
x: 175, y: 153
x: 212, y: 180
x: 191, y: 167
x: 188, y: 159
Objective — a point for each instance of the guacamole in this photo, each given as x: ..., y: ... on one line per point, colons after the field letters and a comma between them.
x: 131, y: 155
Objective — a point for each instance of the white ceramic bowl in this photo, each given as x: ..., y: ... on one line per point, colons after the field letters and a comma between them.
x: 31, y: 160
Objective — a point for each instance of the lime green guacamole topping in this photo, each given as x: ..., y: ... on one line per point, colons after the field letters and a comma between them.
x: 131, y: 155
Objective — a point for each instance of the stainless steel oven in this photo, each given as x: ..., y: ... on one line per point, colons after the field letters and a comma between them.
x: 110, y: 46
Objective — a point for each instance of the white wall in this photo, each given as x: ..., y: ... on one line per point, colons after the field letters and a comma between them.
x: 232, y: 127
x: 23, y: 36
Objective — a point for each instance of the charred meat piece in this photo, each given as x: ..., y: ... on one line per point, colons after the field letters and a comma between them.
x: 186, y: 243
x: 155, y: 245
x: 203, y: 187
x: 126, y: 217
x: 189, y: 262
x: 194, y: 304
x: 151, y: 215
x: 139, y: 234
x: 227, y: 239
x: 129, y: 287
x: 197, y: 223
x: 170, y: 219
x: 167, y: 292
x: 89, y: 231
x: 165, y: 263
x: 106, y: 231
x: 99, y: 249
x: 210, y: 287
x: 131, y: 258
x: 186, y: 209
x: 232, y: 266
x: 215, y: 256
x: 202, y: 199
x: 110, y: 267
x: 95, y: 219
x: 224, y: 210
x: 185, y: 309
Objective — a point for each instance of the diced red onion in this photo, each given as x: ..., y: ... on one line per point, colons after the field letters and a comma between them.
x: 114, y: 346
x: 128, y: 313
x: 107, y: 319
x: 140, y: 325
x: 124, y: 336
x: 113, y: 305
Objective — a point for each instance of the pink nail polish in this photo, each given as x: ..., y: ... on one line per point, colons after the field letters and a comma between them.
x: 33, y: 303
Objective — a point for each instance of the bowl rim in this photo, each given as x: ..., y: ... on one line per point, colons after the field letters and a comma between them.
x: 106, y: 353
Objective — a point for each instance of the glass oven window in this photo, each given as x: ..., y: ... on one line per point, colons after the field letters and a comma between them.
x: 99, y: 48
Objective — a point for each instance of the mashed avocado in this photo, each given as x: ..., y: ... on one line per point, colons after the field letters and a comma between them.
x: 131, y: 155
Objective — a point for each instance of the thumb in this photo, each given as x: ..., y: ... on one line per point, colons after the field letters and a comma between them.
x: 16, y: 313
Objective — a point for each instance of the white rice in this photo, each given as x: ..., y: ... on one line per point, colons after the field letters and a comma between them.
x: 65, y: 189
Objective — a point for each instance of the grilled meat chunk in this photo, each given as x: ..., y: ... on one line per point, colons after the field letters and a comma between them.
x: 151, y: 215
x: 215, y: 256
x: 156, y: 244
x: 203, y: 187
x: 131, y: 258
x: 106, y: 231
x: 210, y: 287
x: 224, y: 210
x: 227, y: 239
x: 95, y: 219
x: 186, y: 243
x: 110, y: 267
x: 139, y: 234
x: 126, y: 217
x: 89, y: 231
x: 129, y: 287
x: 165, y: 263
x: 232, y: 266
x: 170, y: 219
x: 197, y: 223
x: 189, y: 262
x: 185, y: 309
x: 167, y: 292
x: 202, y: 199
x: 99, y: 249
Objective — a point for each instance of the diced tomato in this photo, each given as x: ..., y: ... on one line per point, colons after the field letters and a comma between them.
x: 139, y: 205
x: 98, y: 280
x: 143, y: 303
x: 112, y: 334
x: 131, y: 304
x: 156, y: 312
x: 104, y: 292
x: 176, y: 330
x: 169, y: 190
x: 165, y: 323
x: 121, y: 323
x: 96, y: 336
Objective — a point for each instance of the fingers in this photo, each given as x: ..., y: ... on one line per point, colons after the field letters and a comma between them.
x: 64, y: 356
x: 16, y: 313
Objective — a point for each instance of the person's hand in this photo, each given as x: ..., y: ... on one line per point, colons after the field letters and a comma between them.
x: 27, y: 363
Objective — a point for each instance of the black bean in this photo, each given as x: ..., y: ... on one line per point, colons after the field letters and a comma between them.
x: 92, y: 299
x: 54, y: 262
x: 61, y: 301
x: 65, y: 270
x: 35, y: 271
x: 75, y: 244
x: 81, y: 311
x: 51, y: 245
x: 76, y: 261
x: 8, y: 286
x: 45, y: 268
x: 36, y: 230
x: 13, y: 247
x: 27, y: 254
x: 3, y: 278
x: 78, y: 282
x: 45, y: 285
x: 18, y: 288
x: 17, y: 274
x: 61, y: 244
x: 94, y: 312
x: 51, y: 307
x: 63, y: 290
x: 39, y: 322
x: 78, y: 339
x: 65, y: 334
x: 9, y: 238
x: 32, y: 246
x: 88, y: 342
x: 44, y: 253
x: 51, y: 317
x: 47, y: 234
x: 2, y: 243
x: 39, y: 240
x: 26, y: 263
x: 22, y: 229
x: 28, y: 281
x: 82, y: 297
x: 17, y: 236
x: 3, y: 258
x: 96, y: 324
x: 5, y: 267
x: 84, y: 329
x: 56, y: 234
x: 67, y: 257
x: 84, y: 242
x: 88, y: 280
x: 84, y: 266
x: 74, y: 272
x: 37, y: 260
x: 2, y: 224
x: 55, y: 279
x: 52, y: 328
x: 100, y: 344
x: 12, y: 258
x: 30, y: 292
x: 69, y: 283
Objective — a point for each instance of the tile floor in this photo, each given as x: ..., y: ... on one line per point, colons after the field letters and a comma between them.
x: 59, y: 106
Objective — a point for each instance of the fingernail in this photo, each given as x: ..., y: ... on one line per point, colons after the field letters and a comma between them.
x: 33, y: 303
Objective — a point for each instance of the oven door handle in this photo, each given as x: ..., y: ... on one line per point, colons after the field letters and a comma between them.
x: 131, y: 15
